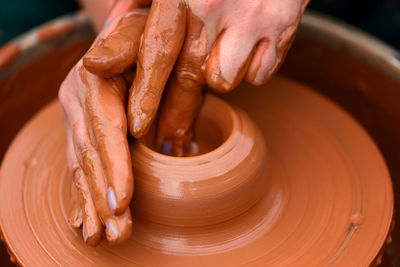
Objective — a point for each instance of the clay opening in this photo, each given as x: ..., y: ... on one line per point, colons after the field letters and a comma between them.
x: 211, y: 129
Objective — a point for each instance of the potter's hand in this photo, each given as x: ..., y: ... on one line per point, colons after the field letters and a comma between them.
x: 226, y: 42
x: 97, y: 147
x: 161, y: 43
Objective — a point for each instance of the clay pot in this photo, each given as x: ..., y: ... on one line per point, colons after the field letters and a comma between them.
x: 227, y: 179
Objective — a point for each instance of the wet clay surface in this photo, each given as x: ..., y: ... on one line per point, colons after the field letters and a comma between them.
x: 364, y: 91
x: 328, y: 198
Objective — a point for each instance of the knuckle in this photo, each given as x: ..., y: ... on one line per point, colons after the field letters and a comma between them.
x: 287, y: 17
x: 188, y: 80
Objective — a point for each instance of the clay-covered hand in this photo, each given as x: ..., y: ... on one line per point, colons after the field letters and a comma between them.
x: 96, y: 127
x: 161, y: 44
x: 226, y: 42
x: 219, y: 43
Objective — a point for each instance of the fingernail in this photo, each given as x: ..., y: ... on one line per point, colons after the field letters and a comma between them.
x: 85, y: 238
x: 105, y: 22
x: 166, y: 148
x: 111, y: 231
x: 112, y: 200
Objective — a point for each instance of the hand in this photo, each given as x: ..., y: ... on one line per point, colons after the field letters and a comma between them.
x: 97, y: 147
x: 226, y: 42
x: 160, y: 46
x: 221, y: 43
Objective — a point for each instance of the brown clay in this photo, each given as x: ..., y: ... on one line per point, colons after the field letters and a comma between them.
x: 327, y: 201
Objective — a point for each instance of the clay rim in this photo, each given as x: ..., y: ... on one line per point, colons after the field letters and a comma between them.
x: 223, y: 148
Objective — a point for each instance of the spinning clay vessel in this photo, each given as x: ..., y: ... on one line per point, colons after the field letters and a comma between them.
x: 284, y: 177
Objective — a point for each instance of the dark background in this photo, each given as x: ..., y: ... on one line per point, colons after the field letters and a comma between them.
x: 378, y: 17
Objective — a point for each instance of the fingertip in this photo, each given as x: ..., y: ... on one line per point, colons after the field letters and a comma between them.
x: 91, y: 236
x: 112, y: 232
x: 119, y: 228
x: 228, y: 62
x: 95, y: 62
x: 105, y: 60
x: 213, y: 74
x: 76, y: 218
x: 139, y: 123
x: 117, y: 46
x: 118, y: 201
x: 260, y: 68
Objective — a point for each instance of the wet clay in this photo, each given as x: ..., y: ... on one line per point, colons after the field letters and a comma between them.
x: 324, y: 192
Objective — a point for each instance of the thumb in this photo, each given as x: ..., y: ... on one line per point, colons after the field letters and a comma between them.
x: 118, y: 51
x: 161, y: 43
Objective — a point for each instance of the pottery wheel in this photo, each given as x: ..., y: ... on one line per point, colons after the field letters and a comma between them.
x: 329, y: 200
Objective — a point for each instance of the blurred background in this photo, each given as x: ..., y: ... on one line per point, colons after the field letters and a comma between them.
x: 380, y: 18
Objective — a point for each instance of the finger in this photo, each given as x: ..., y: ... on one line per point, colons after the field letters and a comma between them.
x: 270, y: 55
x: 91, y: 225
x: 106, y: 116
x: 85, y: 160
x: 183, y: 94
x: 118, y: 51
x: 229, y: 60
x: 75, y: 218
x: 92, y: 168
x: 119, y: 228
x: 160, y: 46
x: 263, y: 61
